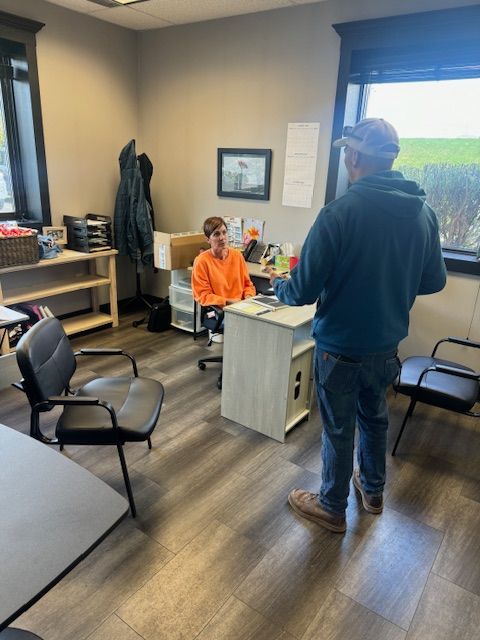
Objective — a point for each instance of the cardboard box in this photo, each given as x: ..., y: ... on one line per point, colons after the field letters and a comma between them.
x: 177, y: 250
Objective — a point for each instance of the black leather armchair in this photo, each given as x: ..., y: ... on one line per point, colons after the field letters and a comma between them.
x: 439, y: 383
x: 109, y: 411
x: 212, y: 319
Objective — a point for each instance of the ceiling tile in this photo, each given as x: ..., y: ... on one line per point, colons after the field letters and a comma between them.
x: 186, y: 11
x: 84, y: 6
x: 154, y: 14
x: 128, y: 17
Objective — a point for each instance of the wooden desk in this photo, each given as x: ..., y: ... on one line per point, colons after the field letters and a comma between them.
x: 267, y: 368
x: 54, y: 513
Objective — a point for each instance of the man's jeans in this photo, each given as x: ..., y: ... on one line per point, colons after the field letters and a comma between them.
x: 353, y: 391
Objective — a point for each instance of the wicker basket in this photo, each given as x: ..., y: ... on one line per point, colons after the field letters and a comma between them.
x: 18, y: 250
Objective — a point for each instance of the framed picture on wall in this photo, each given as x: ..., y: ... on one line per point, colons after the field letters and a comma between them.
x: 244, y: 173
x: 59, y: 234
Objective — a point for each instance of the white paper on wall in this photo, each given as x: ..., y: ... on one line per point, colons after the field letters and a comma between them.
x: 234, y: 229
x: 300, y: 164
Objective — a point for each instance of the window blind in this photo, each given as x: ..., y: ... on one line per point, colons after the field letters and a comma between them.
x: 407, y: 64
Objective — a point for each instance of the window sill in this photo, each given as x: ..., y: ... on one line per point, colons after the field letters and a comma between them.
x: 461, y: 262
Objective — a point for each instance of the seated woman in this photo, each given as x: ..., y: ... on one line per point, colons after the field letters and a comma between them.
x: 220, y: 274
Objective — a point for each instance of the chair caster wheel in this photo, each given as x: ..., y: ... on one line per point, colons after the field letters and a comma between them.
x: 202, y: 366
x: 136, y: 323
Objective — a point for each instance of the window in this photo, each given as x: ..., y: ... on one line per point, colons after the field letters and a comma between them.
x: 23, y: 176
x: 439, y: 131
x: 7, y: 197
x: 420, y: 61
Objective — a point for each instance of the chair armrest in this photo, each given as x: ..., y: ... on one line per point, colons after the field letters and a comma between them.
x: 76, y: 401
x: 213, y: 324
x: 109, y: 352
x: 91, y: 351
x: 212, y: 307
x: 219, y: 310
x: 73, y: 400
x: 466, y: 342
x: 46, y: 405
x: 462, y: 341
x: 454, y: 371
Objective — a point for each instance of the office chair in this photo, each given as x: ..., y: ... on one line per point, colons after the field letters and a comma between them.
x: 439, y: 383
x: 108, y: 411
x: 212, y: 319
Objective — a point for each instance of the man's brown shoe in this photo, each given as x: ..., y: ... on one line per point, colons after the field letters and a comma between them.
x: 372, y: 504
x: 306, y: 505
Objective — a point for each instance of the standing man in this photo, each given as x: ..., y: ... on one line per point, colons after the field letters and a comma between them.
x: 367, y: 256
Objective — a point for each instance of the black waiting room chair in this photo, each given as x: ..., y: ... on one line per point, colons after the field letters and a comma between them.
x: 212, y: 319
x: 105, y: 411
x: 439, y: 383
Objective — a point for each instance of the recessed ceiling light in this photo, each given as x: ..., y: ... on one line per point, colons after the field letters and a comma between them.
x: 128, y: 1
x: 110, y: 4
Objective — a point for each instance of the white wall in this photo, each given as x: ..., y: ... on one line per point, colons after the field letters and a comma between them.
x: 455, y: 311
x: 88, y: 86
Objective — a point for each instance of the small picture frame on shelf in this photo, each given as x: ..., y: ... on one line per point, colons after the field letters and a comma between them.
x: 59, y: 234
x: 244, y: 173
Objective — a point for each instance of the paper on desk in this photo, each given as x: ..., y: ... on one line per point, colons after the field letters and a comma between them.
x: 300, y: 164
x: 248, y: 307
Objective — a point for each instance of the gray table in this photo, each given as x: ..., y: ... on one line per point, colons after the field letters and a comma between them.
x: 53, y: 514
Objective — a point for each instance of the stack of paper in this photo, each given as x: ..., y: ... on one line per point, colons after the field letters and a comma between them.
x: 269, y: 302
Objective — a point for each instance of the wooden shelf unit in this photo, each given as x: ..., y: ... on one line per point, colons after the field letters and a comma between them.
x: 12, y: 294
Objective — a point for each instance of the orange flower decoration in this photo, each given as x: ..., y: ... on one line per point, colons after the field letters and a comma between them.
x: 253, y: 233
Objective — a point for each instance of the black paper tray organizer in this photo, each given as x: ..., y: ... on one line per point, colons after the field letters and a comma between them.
x: 92, y: 233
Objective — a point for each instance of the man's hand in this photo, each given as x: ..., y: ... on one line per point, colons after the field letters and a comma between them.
x: 273, y: 274
x: 232, y: 300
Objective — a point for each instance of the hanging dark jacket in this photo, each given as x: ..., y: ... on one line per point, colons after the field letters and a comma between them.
x: 132, y: 221
x: 146, y: 169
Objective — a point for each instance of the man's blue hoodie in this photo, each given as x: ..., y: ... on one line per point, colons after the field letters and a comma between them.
x: 367, y: 256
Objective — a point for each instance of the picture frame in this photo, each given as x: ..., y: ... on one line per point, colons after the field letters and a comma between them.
x: 58, y: 233
x: 244, y: 173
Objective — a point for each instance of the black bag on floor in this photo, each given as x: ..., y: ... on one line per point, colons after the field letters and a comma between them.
x: 160, y: 316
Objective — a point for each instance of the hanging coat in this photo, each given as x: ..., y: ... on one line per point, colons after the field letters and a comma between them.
x: 146, y: 169
x: 132, y: 220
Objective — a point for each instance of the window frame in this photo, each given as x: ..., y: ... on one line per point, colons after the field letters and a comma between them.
x: 408, y: 33
x: 29, y: 170
x: 11, y: 132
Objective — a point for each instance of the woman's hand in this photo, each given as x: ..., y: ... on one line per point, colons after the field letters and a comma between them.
x: 232, y: 300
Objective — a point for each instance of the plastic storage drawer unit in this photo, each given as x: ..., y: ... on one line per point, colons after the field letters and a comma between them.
x: 184, y: 320
x: 180, y: 298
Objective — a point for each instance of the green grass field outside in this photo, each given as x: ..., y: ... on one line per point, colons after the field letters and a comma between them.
x: 417, y: 152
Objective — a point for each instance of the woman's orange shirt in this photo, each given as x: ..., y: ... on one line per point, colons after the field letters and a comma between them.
x: 214, y: 280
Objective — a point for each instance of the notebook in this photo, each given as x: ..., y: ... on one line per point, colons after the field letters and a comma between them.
x: 269, y: 302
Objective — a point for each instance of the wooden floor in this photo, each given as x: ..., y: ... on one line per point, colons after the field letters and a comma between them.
x: 216, y: 553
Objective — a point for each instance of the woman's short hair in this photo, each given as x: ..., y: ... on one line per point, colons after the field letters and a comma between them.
x: 211, y: 224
